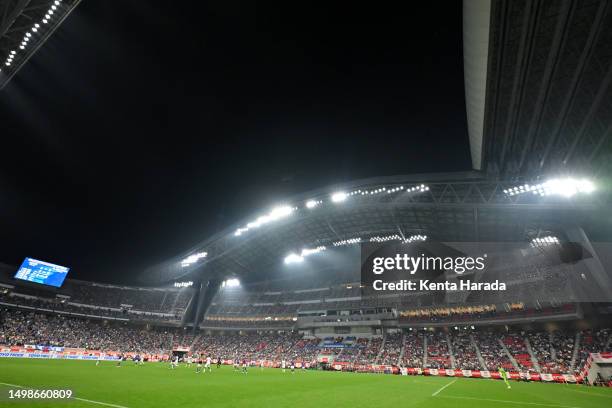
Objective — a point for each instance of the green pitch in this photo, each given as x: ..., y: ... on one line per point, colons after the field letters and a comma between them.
x: 155, y: 385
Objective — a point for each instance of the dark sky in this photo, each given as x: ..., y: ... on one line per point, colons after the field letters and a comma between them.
x: 140, y: 128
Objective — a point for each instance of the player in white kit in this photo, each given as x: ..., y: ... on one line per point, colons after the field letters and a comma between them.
x: 207, y: 365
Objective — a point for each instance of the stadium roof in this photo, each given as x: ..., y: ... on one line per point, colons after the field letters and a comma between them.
x: 539, y: 105
x: 25, y: 25
x: 442, y: 207
x: 547, y: 107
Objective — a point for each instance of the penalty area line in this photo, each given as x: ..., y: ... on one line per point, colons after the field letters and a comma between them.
x: 76, y: 398
x: 509, y: 402
x: 440, y: 389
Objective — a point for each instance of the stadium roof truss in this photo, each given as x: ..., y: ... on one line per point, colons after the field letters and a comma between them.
x: 548, y: 104
x: 25, y: 25
x: 455, y: 207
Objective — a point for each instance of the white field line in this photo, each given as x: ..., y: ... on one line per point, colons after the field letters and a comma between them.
x: 510, y: 402
x: 76, y: 398
x: 596, y: 394
x: 443, y: 387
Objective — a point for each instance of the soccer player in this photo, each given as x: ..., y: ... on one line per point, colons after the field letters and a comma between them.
x: 120, y: 360
x: 283, y: 364
x: 261, y: 365
x: 218, y: 362
x: 292, y: 367
x: 504, y: 376
x: 189, y: 361
x: 244, y: 366
x: 199, y: 365
x: 207, y: 366
x: 99, y: 359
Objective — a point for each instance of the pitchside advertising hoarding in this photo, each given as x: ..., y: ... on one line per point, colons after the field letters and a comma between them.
x: 461, y: 273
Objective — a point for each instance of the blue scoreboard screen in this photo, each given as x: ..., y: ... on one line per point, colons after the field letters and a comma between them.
x: 45, y: 273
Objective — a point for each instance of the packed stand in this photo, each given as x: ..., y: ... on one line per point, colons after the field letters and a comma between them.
x: 515, y: 343
x: 392, y: 349
x: 466, y: 357
x: 592, y: 342
x: 413, y: 350
x: 492, y: 352
x: 438, y: 353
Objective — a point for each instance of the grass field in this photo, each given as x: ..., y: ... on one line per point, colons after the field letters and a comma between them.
x: 155, y: 385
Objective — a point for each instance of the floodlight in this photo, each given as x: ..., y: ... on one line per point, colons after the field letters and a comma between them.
x: 306, y: 252
x: 566, y: 187
x: 338, y: 197
x: 191, y: 259
x: 293, y: 258
x: 311, y: 204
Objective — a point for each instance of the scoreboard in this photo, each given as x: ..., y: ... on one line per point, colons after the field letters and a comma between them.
x: 45, y: 273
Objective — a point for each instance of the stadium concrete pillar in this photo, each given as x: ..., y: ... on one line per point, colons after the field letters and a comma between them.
x: 592, y: 268
x: 207, y: 291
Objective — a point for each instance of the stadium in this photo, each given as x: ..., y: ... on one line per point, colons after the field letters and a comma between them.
x: 489, y: 286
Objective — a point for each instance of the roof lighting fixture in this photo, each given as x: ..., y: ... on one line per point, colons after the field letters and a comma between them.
x: 313, y: 203
x: 275, y: 214
x: 566, y: 187
x: 345, y: 242
x: 396, y: 237
x: 544, y: 241
x: 414, y: 238
x: 339, y: 197
x: 293, y: 258
x: 231, y: 283
x: 191, y: 259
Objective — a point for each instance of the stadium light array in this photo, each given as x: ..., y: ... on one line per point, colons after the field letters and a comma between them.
x: 313, y: 203
x: 297, y: 258
x: 28, y: 35
x: 293, y: 258
x: 230, y: 283
x: 396, y: 237
x: 277, y: 213
x: 544, y: 241
x: 384, y: 190
x: 567, y: 187
x: 414, y: 238
x: 336, y: 197
x: 345, y: 242
x: 186, y: 284
x: 339, y: 197
x: 191, y: 259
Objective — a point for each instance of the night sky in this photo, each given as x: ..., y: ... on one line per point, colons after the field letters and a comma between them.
x: 141, y: 128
